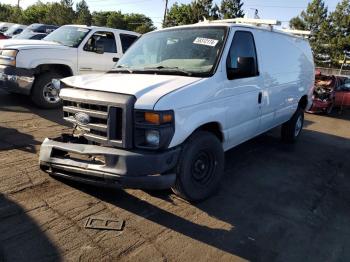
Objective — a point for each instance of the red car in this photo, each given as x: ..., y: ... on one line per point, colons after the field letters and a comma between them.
x: 329, y: 92
x: 2, y: 36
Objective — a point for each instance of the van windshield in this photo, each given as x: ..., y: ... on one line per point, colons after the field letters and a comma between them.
x: 70, y: 36
x: 192, y: 51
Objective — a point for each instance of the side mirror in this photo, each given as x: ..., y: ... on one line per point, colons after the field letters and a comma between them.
x: 99, y: 49
x: 245, y: 68
x: 115, y: 59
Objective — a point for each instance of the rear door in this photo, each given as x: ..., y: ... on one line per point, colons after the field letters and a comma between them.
x: 96, y: 54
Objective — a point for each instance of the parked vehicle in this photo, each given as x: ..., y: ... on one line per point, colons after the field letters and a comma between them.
x: 14, y: 30
x: 5, y: 26
x: 330, y: 92
x: 30, y: 36
x: 177, y: 100
x: 29, y: 66
x: 36, y: 31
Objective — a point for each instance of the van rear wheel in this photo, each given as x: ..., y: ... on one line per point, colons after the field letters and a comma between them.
x: 200, y: 167
x: 292, y: 129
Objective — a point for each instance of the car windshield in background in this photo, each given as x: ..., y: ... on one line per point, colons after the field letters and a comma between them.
x: 68, y: 35
x: 187, y: 51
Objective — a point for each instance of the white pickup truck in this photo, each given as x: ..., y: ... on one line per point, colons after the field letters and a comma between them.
x: 177, y: 100
x: 29, y: 66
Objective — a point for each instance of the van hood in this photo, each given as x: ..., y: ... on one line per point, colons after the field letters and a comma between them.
x: 22, y: 44
x: 147, y: 88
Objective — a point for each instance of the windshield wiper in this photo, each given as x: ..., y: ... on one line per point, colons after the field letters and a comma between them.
x: 169, y: 69
x: 125, y: 67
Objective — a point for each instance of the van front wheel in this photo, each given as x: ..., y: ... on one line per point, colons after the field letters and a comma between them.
x: 292, y: 129
x: 200, y: 167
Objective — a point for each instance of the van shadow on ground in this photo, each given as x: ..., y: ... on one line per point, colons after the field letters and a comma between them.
x: 21, y: 239
x: 11, y: 138
x: 283, y: 202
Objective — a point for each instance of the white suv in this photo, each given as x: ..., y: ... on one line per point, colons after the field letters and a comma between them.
x: 29, y: 66
x: 178, y: 100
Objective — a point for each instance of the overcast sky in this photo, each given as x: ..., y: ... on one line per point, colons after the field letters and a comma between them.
x: 282, y: 10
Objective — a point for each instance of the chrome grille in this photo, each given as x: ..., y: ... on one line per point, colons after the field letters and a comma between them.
x: 97, y: 130
x: 108, y: 116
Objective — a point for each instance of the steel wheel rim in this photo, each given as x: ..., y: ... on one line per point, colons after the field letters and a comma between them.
x: 298, y: 126
x: 203, y: 167
x: 50, y: 94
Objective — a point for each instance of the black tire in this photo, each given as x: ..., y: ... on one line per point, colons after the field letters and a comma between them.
x: 200, y: 167
x: 291, y: 130
x: 37, y: 94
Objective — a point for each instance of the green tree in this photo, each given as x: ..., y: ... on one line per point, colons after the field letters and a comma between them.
x: 231, y: 9
x: 116, y: 20
x: 139, y: 23
x: 297, y: 23
x: 10, y: 13
x: 204, y: 9
x: 83, y: 13
x: 100, y: 18
x: 36, y: 13
x: 339, y: 22
x: 179, y: 15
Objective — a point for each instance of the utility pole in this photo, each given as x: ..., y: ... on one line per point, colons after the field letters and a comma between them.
x: 165, y: 10
x: 18, y: 1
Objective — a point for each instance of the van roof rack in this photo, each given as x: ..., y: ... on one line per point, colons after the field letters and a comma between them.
x: 260, y: 22
x: 269, y: 22
x: 302, y: 33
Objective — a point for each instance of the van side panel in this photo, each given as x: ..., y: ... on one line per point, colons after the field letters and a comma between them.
x: 288, y: 71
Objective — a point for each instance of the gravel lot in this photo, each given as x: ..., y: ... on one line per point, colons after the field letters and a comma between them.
x: 278, y: 202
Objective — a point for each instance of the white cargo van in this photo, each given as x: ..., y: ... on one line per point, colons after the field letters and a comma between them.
x: 177, y: 100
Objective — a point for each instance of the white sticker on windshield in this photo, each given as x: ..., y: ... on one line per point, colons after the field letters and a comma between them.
x: 205, y: 41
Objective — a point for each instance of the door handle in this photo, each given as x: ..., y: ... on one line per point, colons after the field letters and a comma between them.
x: 260, y: 97
x: 85, y: 69
x: 115, y: 59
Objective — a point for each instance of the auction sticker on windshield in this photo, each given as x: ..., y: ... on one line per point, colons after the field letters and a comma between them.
x: 205, y: 41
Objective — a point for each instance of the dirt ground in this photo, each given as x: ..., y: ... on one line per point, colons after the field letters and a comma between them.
x: 278, y: 202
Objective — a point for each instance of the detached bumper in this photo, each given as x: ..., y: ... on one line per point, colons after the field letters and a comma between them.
x: 111, y: 167
x: 18, y: 80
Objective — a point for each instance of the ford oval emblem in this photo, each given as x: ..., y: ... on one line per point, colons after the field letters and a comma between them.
x: 82, y: 119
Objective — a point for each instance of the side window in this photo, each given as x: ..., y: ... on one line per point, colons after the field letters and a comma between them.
x: 106, y: 40
x: 242, y: 58
x: 17, y: 31
x: 127, y: 41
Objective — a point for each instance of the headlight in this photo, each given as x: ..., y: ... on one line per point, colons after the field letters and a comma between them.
x: 153, y: 129
x: 152, y: 137
x: 8, y: 57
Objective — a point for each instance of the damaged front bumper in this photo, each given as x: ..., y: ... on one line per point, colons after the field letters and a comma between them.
x: 17, y: 80
x: 109, y: 166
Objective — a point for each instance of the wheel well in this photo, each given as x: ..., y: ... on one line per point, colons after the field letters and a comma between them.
x: 58, y: 68
x: 303, y: 102
x: 213, y: 128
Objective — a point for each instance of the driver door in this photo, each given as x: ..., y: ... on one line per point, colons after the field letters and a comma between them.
x: 96, y: 54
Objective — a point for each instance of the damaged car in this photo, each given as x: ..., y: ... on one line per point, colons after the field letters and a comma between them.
x: 330, y: 92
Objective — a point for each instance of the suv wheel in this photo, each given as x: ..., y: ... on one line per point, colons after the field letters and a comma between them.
x: 43, y: 94
x: 292, y: 129
x: 200, y: 167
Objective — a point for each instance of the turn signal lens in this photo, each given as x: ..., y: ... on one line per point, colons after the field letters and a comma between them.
x: 167, y: 118
x: 152, y: 118
x: 158, y: 118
